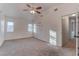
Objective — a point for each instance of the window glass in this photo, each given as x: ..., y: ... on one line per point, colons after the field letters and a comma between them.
x: 30, y: 27
x: 35, y: 28
x: 52, y: 38
x: 10, y: 26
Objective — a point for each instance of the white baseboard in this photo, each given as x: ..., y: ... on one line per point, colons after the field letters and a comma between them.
x: 13, y: 38
x: 41, y: 40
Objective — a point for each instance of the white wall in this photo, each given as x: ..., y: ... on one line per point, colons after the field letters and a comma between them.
x: 52, y: 20
x: 20, y: 29
x: 65, y: 30
x: 20, y: 22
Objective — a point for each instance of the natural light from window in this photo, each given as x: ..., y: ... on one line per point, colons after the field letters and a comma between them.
x: 32, y: 28
x: 52, y: 38
x: 10, y: 26
x: 35, y: 27
x: 2, y: 25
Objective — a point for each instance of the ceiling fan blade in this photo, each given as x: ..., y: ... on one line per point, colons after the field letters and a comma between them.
x: 38, y: 12
x: 28, y: 5
x: 39, y: 7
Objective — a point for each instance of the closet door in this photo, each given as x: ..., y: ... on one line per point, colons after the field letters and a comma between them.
x: 77, y: 35
x: 0, y: 28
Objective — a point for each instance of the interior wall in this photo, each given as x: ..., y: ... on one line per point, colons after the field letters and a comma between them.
x: 20, y: 29
x: 21, y: 22
x: 52, y: 20
x: 65, y: 30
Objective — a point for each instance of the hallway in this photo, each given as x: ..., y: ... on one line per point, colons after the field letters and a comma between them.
x: 70, y: 44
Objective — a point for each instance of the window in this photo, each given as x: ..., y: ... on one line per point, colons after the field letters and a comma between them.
x: 52, y: 38
x: 35, y: 28
x: 10, y: 26
x: 32, y: 28
x: 2, y: 25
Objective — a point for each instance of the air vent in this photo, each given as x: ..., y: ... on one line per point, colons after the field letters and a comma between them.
x: 56, y: 9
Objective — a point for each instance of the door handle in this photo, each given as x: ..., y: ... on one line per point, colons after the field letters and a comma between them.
x: 76, y: 36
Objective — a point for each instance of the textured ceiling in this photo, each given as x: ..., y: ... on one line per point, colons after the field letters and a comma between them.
x: 16, y: 9
x: 45, y: 6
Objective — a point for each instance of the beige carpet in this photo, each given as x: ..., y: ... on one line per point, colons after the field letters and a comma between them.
x: 33, y: 47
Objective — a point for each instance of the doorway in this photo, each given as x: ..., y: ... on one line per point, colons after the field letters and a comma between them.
x: 69, y: 31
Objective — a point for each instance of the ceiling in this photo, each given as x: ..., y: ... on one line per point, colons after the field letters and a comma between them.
x: 16, y: 9
x: 45, y: 6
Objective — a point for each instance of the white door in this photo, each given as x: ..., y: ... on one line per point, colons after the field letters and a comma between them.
x: 77, y: 35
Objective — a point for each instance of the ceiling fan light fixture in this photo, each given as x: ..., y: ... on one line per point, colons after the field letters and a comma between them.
x: 32, y: 11
x: 73, y: 14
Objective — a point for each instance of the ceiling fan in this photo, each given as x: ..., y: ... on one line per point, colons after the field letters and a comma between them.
x: 33, y: 9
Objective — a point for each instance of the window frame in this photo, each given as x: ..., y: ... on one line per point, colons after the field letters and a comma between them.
x: 9, y: 25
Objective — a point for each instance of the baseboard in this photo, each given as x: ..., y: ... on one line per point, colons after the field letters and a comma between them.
x: 19, y: 38
x: 41, y: 40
